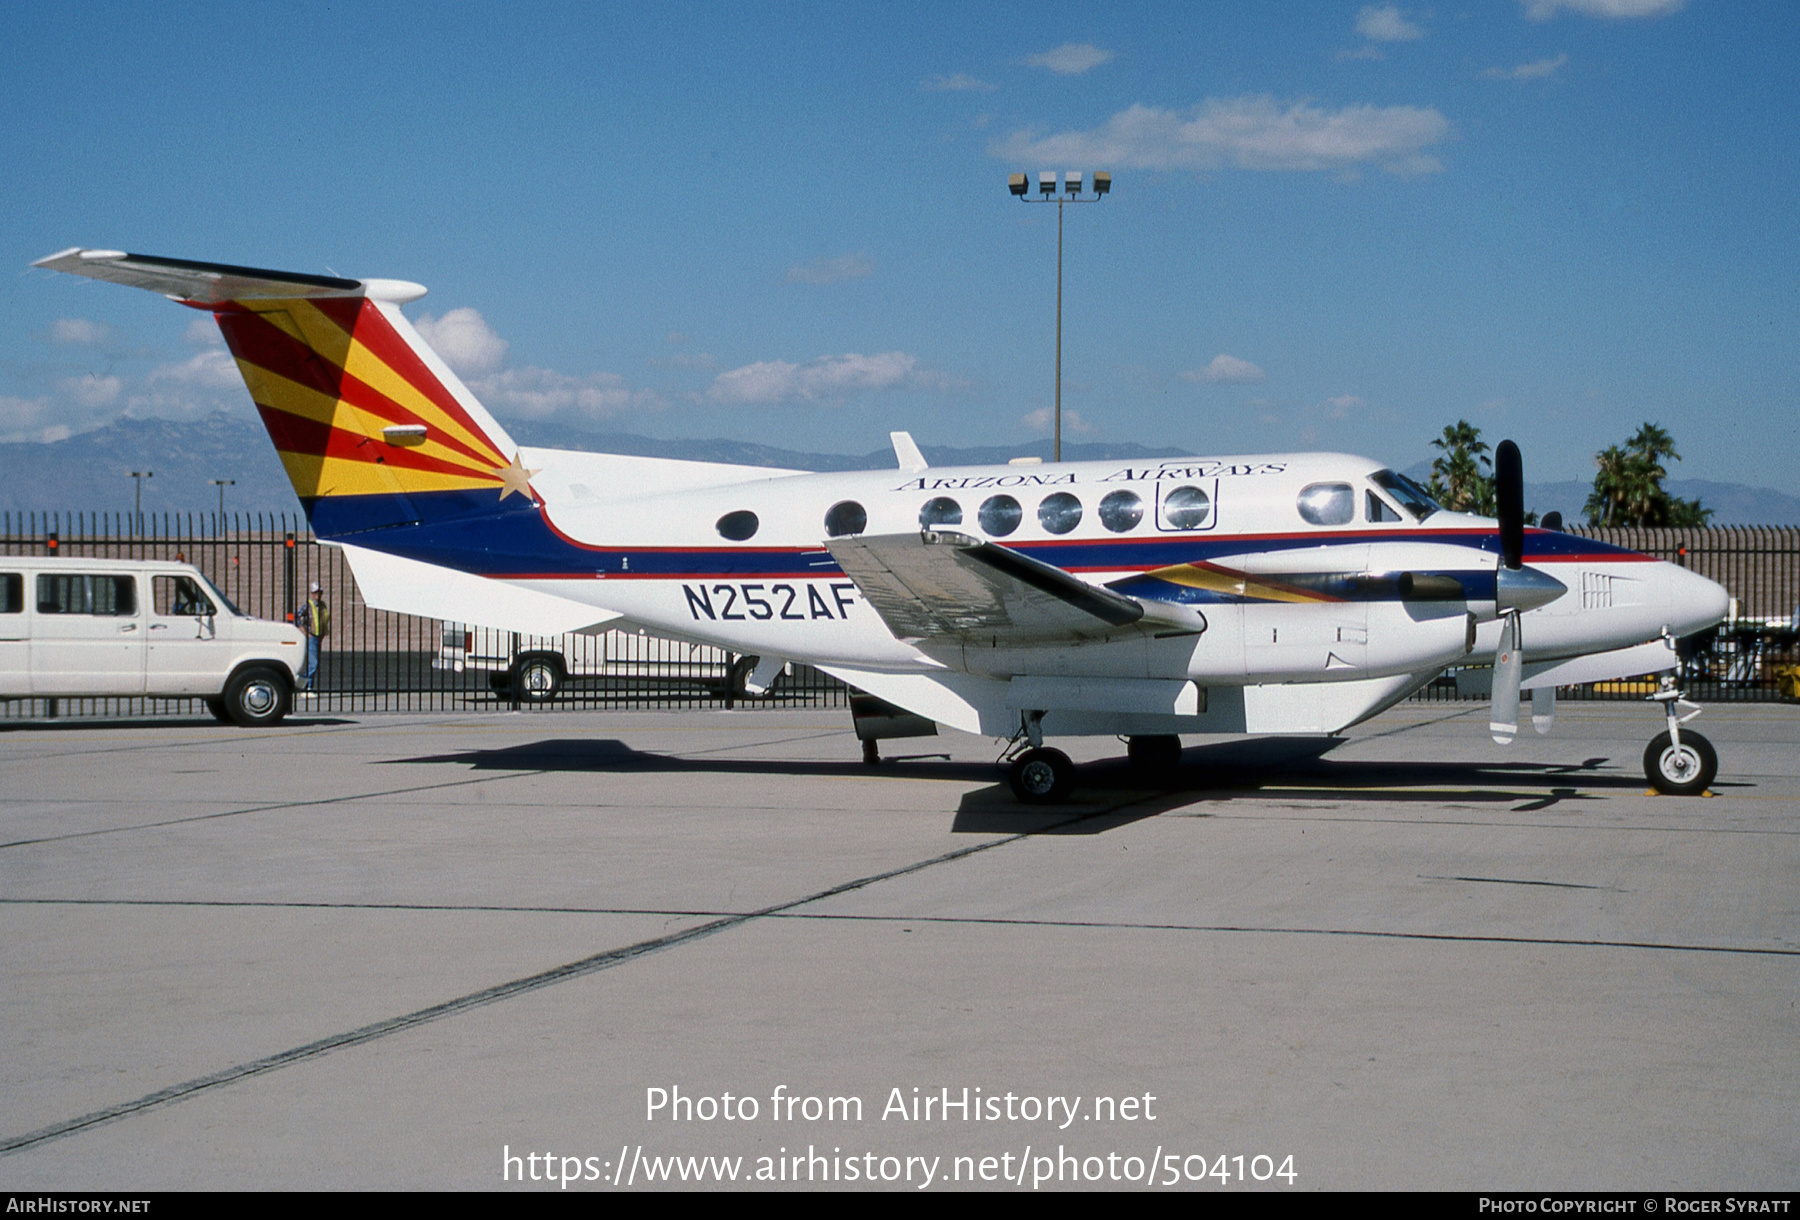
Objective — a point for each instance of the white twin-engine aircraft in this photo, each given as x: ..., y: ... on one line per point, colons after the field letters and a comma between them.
x: 1276, y: 593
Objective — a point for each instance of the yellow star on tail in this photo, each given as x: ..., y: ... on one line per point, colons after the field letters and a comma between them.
x: 515, y: 478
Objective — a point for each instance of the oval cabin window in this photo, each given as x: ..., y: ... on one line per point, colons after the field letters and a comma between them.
x: 1186, y: 508
x: 1327, y: 503
x: 940, y: 511
x: 1060, y: 513
x: 845, y: 517
x: 1121, y: 511
x: 1000, y: 516
x: 738, y: 526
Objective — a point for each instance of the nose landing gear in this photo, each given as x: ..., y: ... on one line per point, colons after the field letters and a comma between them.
x: 1679, y: 762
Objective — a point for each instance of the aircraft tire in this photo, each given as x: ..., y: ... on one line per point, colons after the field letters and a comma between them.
x: 1156, y: 753
x: 1684, y: 772
x: 256, y: 696
x: 1042, y: 777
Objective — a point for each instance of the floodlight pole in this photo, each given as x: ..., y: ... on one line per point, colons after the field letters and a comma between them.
x: 222, y: 484
x: 1071, y: 193
x: 137, y: 506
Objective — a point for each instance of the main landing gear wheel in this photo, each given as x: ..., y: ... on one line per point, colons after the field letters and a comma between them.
x: 1042, y: 776
x: 1154, y: 754
x: 1683, y: 771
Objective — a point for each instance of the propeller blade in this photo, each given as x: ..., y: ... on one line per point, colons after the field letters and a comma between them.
x: 1543, y: 708
x: 1509, y: 499
x: 1503, y: 719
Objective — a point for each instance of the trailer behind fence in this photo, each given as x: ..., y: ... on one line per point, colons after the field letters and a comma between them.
x: 379, y: 661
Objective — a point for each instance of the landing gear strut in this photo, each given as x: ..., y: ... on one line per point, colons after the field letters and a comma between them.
x: 1679, y: 762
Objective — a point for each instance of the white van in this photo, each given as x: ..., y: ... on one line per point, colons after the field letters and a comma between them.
x: 83, y: 628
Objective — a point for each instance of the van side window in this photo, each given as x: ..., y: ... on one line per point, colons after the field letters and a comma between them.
x: 12, y: 593
x: 67, y: 593
x: 178, y: 595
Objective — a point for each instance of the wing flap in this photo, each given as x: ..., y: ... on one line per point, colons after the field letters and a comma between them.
x: 939, y: 585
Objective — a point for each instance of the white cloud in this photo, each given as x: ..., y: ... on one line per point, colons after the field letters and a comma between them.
x: 212, y: 369
x: 536, y: 393
x: 465, y: 341
x: 26, y: 419
x: 91, y: 391
x: 1249, y: 133
x: 832, y: 270
x: 1532, y: 71
x: 829, y: 379
x: 1072, y: 58
x: 203, y: 332
x: 1044, y: 420
x: 1227, y: 369
x: 959, y: 82
x: 1383, y: 23
x: 1341, y: 406
x: 79, y: 332
x: 1543, y: 10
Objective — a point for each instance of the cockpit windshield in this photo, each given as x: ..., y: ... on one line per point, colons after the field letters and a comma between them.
x: 1413, y: 498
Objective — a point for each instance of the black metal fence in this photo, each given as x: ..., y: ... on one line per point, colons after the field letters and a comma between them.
x: 378, y: 661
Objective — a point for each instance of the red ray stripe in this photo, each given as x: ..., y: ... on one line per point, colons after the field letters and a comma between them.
x: 374, y: 333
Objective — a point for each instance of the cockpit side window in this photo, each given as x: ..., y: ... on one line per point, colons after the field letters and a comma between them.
x: 1377, y: 509
x: 1413, y: 498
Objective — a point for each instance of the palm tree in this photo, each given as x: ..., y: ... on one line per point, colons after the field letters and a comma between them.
x: 1628, y: 487
x: 1463, y: 479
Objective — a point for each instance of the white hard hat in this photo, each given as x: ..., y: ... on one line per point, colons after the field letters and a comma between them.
x: 315, y: 587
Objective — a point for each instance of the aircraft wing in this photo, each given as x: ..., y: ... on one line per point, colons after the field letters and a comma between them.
x: 209, y: 283
x: 940, y: 585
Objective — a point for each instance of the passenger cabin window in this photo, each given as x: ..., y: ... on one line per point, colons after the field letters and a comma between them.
x: 67, y: 593
x: 1327, y: 503
x: 1000, y: 516
x: 845, y: 517
x: 175, y: 596
x: 1121, y: 511
x: 739, y: 526
x: 1060, y: 513
x: 1413, y: 498
x: 12, y: 593
x: 941, y: 510
x: 1186, y: 508
x: 1377, y: 509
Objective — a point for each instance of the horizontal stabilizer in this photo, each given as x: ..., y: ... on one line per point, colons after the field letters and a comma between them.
x: 215, y: 283
x: 406, y: 586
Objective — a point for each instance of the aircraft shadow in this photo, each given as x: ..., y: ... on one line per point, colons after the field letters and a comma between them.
x: 1109, y: 793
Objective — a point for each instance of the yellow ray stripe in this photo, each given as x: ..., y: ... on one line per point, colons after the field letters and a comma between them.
x: 339, y: 477
x: 285, y: 394
x: 368, y: 368
x: 330, y: 340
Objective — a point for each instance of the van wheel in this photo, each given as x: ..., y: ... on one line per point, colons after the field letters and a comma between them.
x: 539, y: 679
x: 219, y: 711
x: 256, y: 696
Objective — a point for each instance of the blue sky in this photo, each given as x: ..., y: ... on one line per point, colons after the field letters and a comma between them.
x: 1332, y: 225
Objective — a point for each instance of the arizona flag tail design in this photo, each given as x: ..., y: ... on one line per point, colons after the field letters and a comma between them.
x: 374, y: 429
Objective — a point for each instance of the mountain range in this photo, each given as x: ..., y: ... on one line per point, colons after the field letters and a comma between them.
x: 88, y: 472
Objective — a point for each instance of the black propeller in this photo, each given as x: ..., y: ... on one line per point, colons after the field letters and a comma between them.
x: 1509, y: 499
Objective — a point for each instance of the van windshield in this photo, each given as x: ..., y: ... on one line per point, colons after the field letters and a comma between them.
x: 223, y: 600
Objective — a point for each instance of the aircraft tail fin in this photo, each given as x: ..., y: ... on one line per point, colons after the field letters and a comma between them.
x: 372, y: 426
